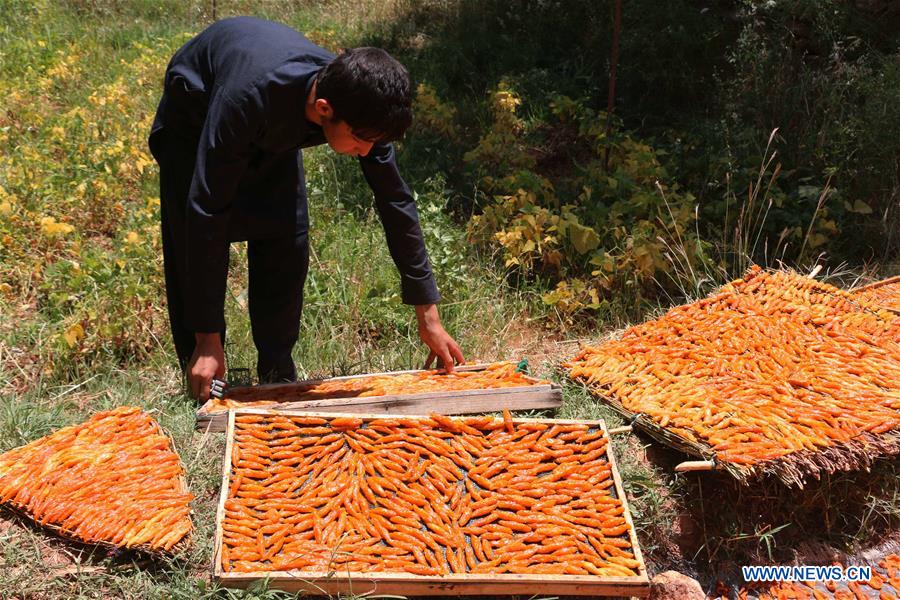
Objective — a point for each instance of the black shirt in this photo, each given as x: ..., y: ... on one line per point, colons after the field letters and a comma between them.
x: 237, y: 93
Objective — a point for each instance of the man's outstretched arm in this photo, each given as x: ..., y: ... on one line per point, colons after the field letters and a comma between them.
x: 221, y: 162
x: 400, y: 220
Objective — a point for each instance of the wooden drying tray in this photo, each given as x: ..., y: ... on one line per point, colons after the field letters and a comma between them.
x: 854, y: 455
x: 182, y: 546
x: 878, y: 284
x: 791, y: 469
x: 362, y: 584
x: 537, y: 396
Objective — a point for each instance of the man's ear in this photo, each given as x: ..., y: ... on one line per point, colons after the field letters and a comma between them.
x: 324, y: 109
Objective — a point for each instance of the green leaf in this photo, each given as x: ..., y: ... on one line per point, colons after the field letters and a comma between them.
x: 861, y: 208
x: 584, y: 238
x: 809, y: 192
x: 816, y: 240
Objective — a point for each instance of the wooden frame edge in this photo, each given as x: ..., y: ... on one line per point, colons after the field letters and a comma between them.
x: 877, y: 284
x: 544, y: 396
x: 620, y: 490
x: 330, y: 415
x: 223, y: 497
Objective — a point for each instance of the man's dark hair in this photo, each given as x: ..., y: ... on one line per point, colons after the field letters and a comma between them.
x: 369, y: 90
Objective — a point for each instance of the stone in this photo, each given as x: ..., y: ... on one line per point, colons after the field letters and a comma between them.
x: 672, y: 585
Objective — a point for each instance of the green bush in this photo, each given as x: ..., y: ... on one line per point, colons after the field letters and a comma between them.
x: 826, y: 75
x: 611, y: 226
x: 700, y: 91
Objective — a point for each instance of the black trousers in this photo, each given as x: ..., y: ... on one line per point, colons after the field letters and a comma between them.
x: 277, y: 268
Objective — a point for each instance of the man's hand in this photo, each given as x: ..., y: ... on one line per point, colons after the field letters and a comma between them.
x: 443, y: 347
x: 207, y: 362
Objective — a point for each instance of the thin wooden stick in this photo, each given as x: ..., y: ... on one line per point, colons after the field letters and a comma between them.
x: 877, y: 284
x: 695, y: 465
x: 617, y: 430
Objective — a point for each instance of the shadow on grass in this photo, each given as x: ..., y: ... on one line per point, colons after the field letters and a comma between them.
x: 28, y: 546
x: 721, y: 524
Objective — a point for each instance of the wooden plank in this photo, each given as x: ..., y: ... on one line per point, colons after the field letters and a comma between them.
x: 272, y: 391
x: 461, y: 401
x: 417, y: 585
x: 369, y: 416
x: 451, y: 402
x: 620, y: 491
x: 223, y: 496
x: 448, y: 394
x: 877, y: 284
x: 406, y: 584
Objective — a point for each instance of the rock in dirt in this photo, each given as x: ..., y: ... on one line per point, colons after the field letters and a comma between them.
x: 672, y: 585
x: 687, y: 534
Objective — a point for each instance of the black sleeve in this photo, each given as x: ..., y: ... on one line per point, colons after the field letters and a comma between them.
x: 222, y: 155
x: 400, y: 220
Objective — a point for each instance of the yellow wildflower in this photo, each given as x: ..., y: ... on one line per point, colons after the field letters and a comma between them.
x: 51, y: 228
x: 73, y: 334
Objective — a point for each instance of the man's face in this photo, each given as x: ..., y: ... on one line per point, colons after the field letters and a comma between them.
x: 341, y: 139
